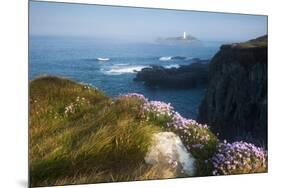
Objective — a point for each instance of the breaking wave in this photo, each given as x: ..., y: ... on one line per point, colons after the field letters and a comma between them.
x: 169, y: 58
x: 118, y: 70
x: 166, y: 58
x: 103, y: 59
x: 172, y: 66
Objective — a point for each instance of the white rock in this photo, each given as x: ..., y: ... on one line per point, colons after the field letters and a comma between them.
x: 168, y: 150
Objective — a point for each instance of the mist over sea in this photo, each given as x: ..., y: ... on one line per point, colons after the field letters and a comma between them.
x: 77, y: 59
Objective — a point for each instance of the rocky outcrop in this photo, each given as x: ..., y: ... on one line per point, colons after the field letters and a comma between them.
x: 184, y: 77
x: 235, y: 103
x: 168, y: 154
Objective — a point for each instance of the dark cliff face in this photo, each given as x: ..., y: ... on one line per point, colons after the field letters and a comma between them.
x: 235, y: 103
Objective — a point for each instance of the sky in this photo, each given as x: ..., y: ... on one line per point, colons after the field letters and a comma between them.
x: 140, y: 24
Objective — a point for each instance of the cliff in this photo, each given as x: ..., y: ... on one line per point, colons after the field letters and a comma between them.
x: 235, y: 103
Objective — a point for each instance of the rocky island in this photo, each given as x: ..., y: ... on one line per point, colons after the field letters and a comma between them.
x: 235, y: 103
x: 184, y: 77
x: 185, y: 39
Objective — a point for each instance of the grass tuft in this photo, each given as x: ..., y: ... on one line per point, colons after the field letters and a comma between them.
x: 79, y: 135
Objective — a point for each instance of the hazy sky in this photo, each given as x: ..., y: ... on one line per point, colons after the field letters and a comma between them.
x: 62, y: 19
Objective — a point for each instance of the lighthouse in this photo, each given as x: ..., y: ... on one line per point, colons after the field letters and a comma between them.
x: 184, y: 35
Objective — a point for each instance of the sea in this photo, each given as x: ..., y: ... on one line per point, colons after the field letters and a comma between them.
x: 111, y: 65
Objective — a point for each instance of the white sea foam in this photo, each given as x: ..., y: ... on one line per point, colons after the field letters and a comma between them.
x: 103, y: 59
x: 172, y: 66
x: 166, y: 58
x: 118, y: 70
x: 120, y: 64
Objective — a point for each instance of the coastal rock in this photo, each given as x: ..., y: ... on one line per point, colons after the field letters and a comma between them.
x: 235, y: 103
x: 169, y: 154
x: 185, y: 77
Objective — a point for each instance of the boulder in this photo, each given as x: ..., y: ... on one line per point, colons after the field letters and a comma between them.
x: 168, y: 152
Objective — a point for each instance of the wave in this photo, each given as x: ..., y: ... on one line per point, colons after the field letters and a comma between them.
x: 169, y: 58
x: 172, y: 66
x: 162, y: 58
x: 123, y: 70
x: 103, y: 59
x: 166, y: 58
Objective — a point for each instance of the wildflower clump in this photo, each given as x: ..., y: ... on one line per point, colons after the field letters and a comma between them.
x: 157, y: 111
x: 239, y: 158
x: 75, y: 106
x: 179, y: 122
x: 134, y: 95
x: 211, y: 156
x: 198, y: 139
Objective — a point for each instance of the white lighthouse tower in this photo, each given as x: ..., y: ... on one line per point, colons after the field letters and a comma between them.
x: 184, y: 35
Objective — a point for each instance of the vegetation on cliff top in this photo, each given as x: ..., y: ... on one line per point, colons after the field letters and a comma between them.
x: 259, y: 42
x: 79, y: 135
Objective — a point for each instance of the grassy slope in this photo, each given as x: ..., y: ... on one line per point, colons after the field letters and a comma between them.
x: 260, y: 42
x: 98, y: 140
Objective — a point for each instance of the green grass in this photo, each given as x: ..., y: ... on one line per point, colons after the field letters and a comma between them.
x: 98, y: 140
x: 259, y: 42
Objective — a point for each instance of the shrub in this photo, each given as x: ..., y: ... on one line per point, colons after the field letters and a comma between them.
x: 239, y: 158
